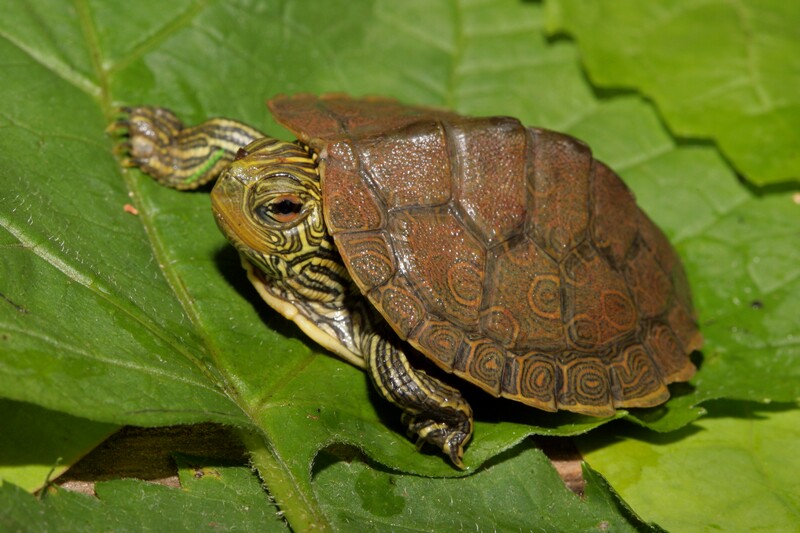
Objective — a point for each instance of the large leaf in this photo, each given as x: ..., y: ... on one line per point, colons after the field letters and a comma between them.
x: 500, y: 497
x: 735, y: 470
x: 148, y: 319
x: 718, y: 69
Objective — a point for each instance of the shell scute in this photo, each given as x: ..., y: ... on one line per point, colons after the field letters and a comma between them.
x: 559, y: 184
x: 523, y: 309
x: 370, y: 257
x: 584, y: 384
x: 350, y: 205
x: 409, y: 167
x: 635, y: 378
x: 440, y: 339
x: 443, y: 260
x: 399, y: 303
x: 491, y: 156
x: 482, y: 361
x: 650, y: 285
x: 531, y: 379
x: 668, y: 352
x: 598, y: 305
x: 614, y: 215
x: 320, y: 120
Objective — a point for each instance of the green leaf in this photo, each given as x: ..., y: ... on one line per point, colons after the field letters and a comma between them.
x: 501, y: 496
x: 212, y: 497
x: 39, y: 444
x: 734, y: 470
x: 147, y: 319
x: 721, y: 70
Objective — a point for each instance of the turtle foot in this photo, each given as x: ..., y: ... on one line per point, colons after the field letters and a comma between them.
x: 450, y: 435
x: 147, y: 139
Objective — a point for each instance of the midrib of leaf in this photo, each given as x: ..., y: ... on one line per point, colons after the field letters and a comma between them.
x: 294, y: 497
x: 283, y: 381
x: 73, y: 272
x: 70, y: 271
x: 298, y: 504
x: 90, y: 36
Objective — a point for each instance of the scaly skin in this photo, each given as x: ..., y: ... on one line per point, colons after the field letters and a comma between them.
x: 176, y: 156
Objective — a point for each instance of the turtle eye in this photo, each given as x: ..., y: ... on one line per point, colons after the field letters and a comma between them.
x: 283, y: 209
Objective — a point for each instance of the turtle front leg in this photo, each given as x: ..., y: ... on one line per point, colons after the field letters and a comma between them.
x: 158, y: 143
x: 433, y: 411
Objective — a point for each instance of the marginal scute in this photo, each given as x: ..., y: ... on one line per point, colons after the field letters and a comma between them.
x: 482, y: 362
x: 685, y: 327
x: 585, y: 385
x: 635, y: 380
x: 668, y: 352
x: 531, y: 379
x: 440, y: 340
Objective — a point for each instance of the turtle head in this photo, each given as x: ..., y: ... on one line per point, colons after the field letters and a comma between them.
x: 268, y: 204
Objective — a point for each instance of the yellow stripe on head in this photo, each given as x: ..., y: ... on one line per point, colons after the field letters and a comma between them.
x: 269, y: 206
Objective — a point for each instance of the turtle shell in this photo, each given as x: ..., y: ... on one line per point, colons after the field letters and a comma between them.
x: 507, y: 255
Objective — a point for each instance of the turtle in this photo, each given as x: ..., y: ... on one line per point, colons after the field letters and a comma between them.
x: 506, y: 255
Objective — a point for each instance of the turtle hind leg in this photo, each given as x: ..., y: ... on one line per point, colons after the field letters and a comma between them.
x: 157, y: 142
x: 433, y: 411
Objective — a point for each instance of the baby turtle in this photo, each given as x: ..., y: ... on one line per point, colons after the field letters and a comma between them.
x: 506, y: 255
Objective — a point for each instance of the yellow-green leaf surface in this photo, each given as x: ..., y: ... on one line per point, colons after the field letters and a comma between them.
x: 147, y: 319
x: 38, y: 444
x: 735, y: 470
x: 726, y: 70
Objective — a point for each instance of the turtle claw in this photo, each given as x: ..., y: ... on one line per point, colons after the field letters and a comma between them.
x: 118, y: 128
x: 122, y: 150
x: 450, y: 436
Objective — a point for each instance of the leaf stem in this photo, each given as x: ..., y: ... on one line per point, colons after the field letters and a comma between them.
x: 293, y: 496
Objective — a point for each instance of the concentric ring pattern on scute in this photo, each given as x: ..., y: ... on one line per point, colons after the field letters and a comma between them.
x: 505, y: 254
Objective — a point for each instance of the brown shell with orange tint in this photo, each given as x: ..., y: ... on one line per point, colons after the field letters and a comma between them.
x: 506, y: 254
